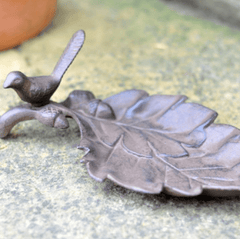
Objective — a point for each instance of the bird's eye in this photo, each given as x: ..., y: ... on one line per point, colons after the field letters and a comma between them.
x: 17, y: 81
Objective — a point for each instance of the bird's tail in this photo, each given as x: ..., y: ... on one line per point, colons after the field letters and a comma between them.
x: 69, y: 54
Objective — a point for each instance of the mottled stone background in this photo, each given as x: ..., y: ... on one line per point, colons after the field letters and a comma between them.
x: 220, y: 11
x: 45, y: 192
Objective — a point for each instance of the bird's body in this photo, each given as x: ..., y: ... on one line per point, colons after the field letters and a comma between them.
x: 34, y: 90
x: 41, y: 89
x: 38, y: 90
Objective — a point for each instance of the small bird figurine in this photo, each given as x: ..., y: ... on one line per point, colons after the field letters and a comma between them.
x: 38, y: 90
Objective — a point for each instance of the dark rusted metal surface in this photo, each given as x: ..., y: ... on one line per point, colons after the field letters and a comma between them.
x: 145, y: 143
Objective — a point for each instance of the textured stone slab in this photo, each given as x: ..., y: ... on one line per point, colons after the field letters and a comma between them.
x: 225, y: 11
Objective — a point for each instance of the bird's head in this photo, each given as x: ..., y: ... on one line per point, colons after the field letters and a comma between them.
x: 15, y: 80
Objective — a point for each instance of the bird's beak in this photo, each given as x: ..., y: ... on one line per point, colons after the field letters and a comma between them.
x: 7, y: 83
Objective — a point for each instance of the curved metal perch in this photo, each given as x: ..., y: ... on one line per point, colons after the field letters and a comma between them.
x: 14, y: 116
x: 54, y: 114
x: 48, y: 115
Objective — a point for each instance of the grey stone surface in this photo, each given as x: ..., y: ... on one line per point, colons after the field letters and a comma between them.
x: 45, y: 192
x: 222, y: 11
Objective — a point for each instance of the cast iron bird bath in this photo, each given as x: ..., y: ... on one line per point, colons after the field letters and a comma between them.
x: 145, y: 143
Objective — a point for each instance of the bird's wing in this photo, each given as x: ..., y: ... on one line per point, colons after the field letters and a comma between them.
x: 42, y: 86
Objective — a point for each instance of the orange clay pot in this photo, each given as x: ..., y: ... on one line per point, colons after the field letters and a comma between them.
x: 23, y: 19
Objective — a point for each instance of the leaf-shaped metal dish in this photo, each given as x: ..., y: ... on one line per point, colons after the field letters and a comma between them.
x: 154, y: 143
x: 146, y: 143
